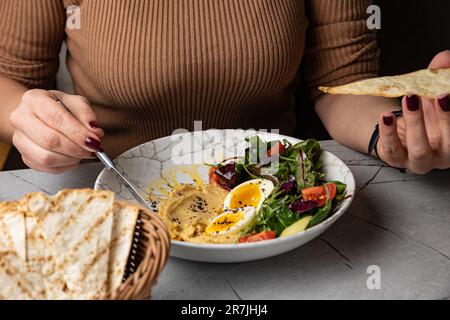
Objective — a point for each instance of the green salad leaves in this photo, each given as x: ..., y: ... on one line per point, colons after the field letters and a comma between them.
x: 300, y: 189
x: 300, y: 161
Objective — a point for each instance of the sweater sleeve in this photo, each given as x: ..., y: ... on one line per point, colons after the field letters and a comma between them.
x: 339, y: 47
x: 31, y: 35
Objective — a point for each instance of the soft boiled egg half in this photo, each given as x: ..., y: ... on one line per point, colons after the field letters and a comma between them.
x: 249, y: 194
x: 240, y: 207
x: 231, y: 221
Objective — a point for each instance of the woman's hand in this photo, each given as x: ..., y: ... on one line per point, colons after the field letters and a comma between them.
x: 420, y: 140
x: 49, y: 137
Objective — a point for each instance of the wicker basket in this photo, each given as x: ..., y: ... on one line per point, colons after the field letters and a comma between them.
x: 148, y: 256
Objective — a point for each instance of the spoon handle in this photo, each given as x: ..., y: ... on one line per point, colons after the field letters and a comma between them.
x: 109, y: 164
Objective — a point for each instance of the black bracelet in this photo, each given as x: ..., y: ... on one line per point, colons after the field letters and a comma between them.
x: 373, y: 143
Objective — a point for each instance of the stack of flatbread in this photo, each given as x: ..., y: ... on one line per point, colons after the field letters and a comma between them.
x: 429, y: 83
x: 73, y: 245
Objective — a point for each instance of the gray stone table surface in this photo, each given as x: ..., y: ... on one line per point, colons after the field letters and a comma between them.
x: 399, y: 223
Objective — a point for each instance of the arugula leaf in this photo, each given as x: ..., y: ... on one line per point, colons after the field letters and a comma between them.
x: 341, y: 189
x: 274, y: 215
x: 304, y: 175
x: 300, y: 161
x: 285, y: 218
x: 307, y: 172
x: 321, y: 214
x: 257, y: 151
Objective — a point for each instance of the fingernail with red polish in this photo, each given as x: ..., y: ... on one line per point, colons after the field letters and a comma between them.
x: 444, y: 102
x: 93, y: 144
x: 94, y: 125
x: 388, y: 120
x: 413, y: 103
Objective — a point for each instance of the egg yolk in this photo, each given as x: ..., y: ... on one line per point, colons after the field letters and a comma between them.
x: 225, y: 222
x: 245, y: 196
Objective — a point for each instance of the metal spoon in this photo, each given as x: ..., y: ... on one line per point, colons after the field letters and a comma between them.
x: 109, y: 164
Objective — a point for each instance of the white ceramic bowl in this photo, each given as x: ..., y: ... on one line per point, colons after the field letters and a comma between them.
x: 156, y: 165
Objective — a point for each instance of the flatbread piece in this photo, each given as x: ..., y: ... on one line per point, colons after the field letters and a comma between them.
x: 16, y: 282
x: 12, y: 229
x: 125, y: 217
x: 429, y: 83
x: 78, y: 231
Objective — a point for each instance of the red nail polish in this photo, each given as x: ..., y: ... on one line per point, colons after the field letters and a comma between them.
x: 94, y: 125
x: 413, y: 103
x: 93, y: 144
x: 388, y: 120
x: 444, y: 103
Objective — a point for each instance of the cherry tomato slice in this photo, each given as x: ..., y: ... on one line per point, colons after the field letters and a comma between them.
x: 277, y: 148
x: 265, y: 235
x: 320, y: 194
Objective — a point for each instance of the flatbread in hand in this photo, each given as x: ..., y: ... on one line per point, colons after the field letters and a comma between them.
x: 429, y: 83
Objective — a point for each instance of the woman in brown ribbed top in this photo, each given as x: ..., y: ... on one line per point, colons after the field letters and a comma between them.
x: 144, y: 68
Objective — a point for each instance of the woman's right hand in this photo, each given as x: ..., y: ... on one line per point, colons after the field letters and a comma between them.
x: 50, y: 138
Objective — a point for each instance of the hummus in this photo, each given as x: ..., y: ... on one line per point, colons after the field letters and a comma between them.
x: 188, y: 210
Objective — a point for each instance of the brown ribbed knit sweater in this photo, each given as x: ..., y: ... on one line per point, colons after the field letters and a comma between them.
x: 151, y: 66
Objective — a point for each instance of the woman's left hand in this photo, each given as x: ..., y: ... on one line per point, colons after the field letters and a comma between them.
x: 420, y: 140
